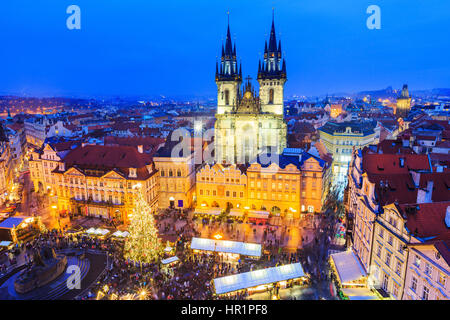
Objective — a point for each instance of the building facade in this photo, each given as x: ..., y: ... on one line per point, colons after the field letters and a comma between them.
x: 291, y: 187
x: 96, y: 180
x: 340, y: 139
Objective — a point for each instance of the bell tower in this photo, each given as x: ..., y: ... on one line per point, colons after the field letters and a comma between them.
x: 228, y: 76
x: 272, y: 76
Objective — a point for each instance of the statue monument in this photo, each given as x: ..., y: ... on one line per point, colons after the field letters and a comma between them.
x: 46, y: 267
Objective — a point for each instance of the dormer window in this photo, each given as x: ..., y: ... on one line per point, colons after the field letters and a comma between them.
x: 132, y: 173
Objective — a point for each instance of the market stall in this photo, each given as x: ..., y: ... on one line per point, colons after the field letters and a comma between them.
x: 229, y: 249
x: 98, y: 232
x: 350, y: 275
x: 258, y: 217
x: 260, y: 280
x: 17, y: 229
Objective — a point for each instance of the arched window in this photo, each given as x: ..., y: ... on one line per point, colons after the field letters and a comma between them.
x: 227, y: 97
x: 170, y: 173
x: 271, y: 96
x: 178, y: 173
x: 162, y: 173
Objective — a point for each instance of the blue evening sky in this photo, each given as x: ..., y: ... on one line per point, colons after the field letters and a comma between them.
x: 169, y: 47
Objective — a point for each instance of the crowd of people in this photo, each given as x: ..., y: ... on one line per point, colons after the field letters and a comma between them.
x: 190, y: 278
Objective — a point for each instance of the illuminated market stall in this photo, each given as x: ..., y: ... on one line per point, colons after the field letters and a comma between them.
x: 18, y: 229
x: 260, y: 280
x: 351, y: 277
x: 229, y: 249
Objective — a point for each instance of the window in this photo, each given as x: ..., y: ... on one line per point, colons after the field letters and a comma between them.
x: 413, y: 284
x: 201, y: 192
x: 227, y: 97
x: 442, y: 279
x: 271, y: 93
x: 390, y: 240
x: 398, y: 269
x: 214, y: 192
x: 395, y: 291
x: 425, y: 293
x: 311, y: 209
x: 379, y: 251
x: 417, y: 261
x: 388, y: 258
x: 381, y: 233
x: 400, y: 248
x: 427, y: 269
x: 228, y: 193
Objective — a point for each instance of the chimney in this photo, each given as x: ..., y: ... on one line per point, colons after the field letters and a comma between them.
x: 416, y: 178
x: 447, y: 217
x: 140, y: 148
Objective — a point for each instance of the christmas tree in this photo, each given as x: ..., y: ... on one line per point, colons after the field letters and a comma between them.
x: 142, y: 244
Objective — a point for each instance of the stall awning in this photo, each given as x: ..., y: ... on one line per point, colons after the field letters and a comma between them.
x: 5, y: 243
x: 170, y: 260
x: 210, y: 211
x: 359, y: 294
x: 120, y: 234
x: 258, y: 214
x: 348, y: 266
x: 99, y: 231
x: 11, y: 222
x: 243, y: 248
x: 235, y: 213
x: 256, y: 278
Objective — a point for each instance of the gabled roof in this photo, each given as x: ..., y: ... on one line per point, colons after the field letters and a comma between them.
x: 426, y: 220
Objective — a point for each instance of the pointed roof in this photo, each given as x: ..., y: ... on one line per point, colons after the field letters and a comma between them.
x: 228, y: 43
x: 273, y: 37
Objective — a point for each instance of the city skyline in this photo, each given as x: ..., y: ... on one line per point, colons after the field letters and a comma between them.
x: 124, y: 50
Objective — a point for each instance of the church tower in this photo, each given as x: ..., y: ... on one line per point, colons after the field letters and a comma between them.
x: 403, y: 103
x: 248, y: 125
x: 272, y: 76
x: 228, y: 77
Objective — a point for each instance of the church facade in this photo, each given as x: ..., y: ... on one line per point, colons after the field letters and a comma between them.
x: 247, y: 123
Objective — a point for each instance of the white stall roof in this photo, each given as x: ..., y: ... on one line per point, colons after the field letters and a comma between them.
x: 247, y: 249
x: 348, y: 266
x: 121, y: 234
x: 211, y: 211
x: 359, y: 294
x: 256, y: 278
x: 170, y: 260
x: 98, y: 231
x: 258, y: 214
x: 235, y: 213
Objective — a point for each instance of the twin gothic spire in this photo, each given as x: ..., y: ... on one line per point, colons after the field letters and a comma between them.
x: 273, y: 66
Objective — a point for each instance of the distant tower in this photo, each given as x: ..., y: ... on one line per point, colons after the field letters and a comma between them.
x: 272, y: 75
x: 9, y: 119
x: 403, y: 103
x: 228, y: 77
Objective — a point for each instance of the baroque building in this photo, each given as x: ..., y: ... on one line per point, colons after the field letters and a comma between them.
x: 248, y: 124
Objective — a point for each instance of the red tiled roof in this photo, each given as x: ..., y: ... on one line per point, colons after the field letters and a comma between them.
x: 393, y: 147
x: 387, y: 164
x: 107, y: 156
x: 441, y: 185
x: 444, y: 249
x: 427, y: 220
